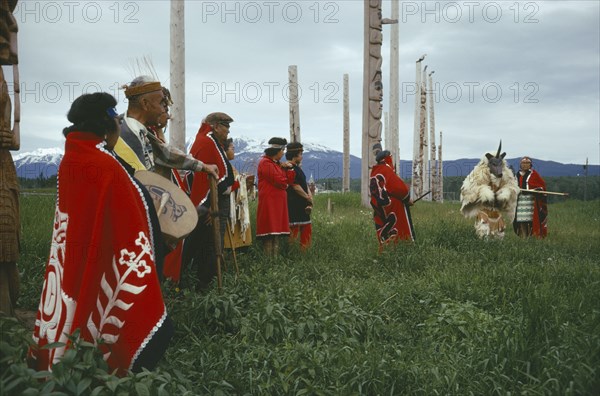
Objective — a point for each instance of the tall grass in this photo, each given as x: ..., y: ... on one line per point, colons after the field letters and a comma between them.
x: 448, y: 314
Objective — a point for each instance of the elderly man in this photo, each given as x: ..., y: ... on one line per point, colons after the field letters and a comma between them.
x: 208, y: 147
x: 138, y: 145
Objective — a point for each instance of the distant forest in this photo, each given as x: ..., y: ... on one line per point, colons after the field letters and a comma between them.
x: 581, y: 188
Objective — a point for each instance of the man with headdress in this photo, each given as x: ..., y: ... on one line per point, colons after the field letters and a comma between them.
x: 532, y: 209
x: 207, y: 147
x: 9, y: 186
x: 390, y: 199
x: 139, y: 145
x: 299, y: 198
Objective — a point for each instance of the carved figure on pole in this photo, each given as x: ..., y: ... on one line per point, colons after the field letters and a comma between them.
x: 372, y: 90
x: 432, y: 162
x: 9, y: 140
x: 417, y: 171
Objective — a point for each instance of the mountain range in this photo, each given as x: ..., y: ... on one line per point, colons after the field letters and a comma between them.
x: 319, y: 161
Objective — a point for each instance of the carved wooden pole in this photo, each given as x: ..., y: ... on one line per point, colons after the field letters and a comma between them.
x: 294, y: 104
x: 394, y: 108
x: 346, y: 174
x: 177, y: 135
x: 424, y: 137
x: 372, y: 90
x: 417, y: 172
x: 9, y: 140
x: 387, y: 139
x: 440, y: 173
x: 432, y: 163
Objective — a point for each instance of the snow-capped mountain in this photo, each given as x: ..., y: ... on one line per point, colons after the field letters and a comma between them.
x: 41, y: 162
x: 319, y: 161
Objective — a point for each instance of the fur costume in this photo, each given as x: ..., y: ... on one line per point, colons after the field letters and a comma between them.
x: 482, y: 190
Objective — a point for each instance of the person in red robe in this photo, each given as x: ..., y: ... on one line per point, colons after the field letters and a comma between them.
x: 102, y: 277
x: 532, y: 208
x: 272, y: 212
x: 199, y: 247
x: 390, y: 199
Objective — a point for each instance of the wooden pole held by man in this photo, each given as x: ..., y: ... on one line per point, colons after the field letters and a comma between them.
x: 214, y: 212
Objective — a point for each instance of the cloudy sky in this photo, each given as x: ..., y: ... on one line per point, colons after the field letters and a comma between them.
x: 526, y: 72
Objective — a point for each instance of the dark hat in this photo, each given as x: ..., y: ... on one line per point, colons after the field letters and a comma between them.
x: 218, y: 117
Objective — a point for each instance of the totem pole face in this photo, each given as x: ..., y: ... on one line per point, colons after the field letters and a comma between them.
x: 8, y: 33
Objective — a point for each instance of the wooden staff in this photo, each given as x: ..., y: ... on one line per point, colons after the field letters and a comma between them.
x: 544, y: 192
x: 214, y: 209
x: 230, y: 234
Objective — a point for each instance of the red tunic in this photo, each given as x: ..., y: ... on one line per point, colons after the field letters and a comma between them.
x: 101, y: 276
x: 391, y: 215
x: 532, y: 180
x: 272, y: 211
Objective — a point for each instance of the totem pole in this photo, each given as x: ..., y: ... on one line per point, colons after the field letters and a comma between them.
x: 9, y: 140
x: 424, y: 137
x: 346, y: 174
x: 294, y: 104
x: 177, y: 71
x: 432, y: 163
x: 440, y: 173
x: 372, y: 90
x: 417, y: 167
x: 394, y: 106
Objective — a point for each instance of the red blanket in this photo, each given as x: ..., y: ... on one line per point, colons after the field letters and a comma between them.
x: 207, y: 150
x: 272, y: 211
x: 101, y: 276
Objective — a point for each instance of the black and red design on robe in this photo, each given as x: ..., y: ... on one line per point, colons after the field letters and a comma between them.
x: 531, y: 180
x: 101, y: 276
x: 272, y: 211
x: 389, y: 199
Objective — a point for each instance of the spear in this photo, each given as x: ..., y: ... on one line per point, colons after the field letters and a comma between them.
x: 544, y: 192
x: 422, y: 196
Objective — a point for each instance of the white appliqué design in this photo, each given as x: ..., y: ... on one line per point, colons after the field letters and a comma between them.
x: 56, y: 309
x: 134, y: 262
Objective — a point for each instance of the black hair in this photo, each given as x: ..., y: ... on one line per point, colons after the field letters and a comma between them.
x: 88, y: 113
x: 293, y: 149
x: 272, y: 151
x: 228, y: 143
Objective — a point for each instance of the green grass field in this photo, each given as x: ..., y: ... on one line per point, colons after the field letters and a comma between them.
x: 449, y: 314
